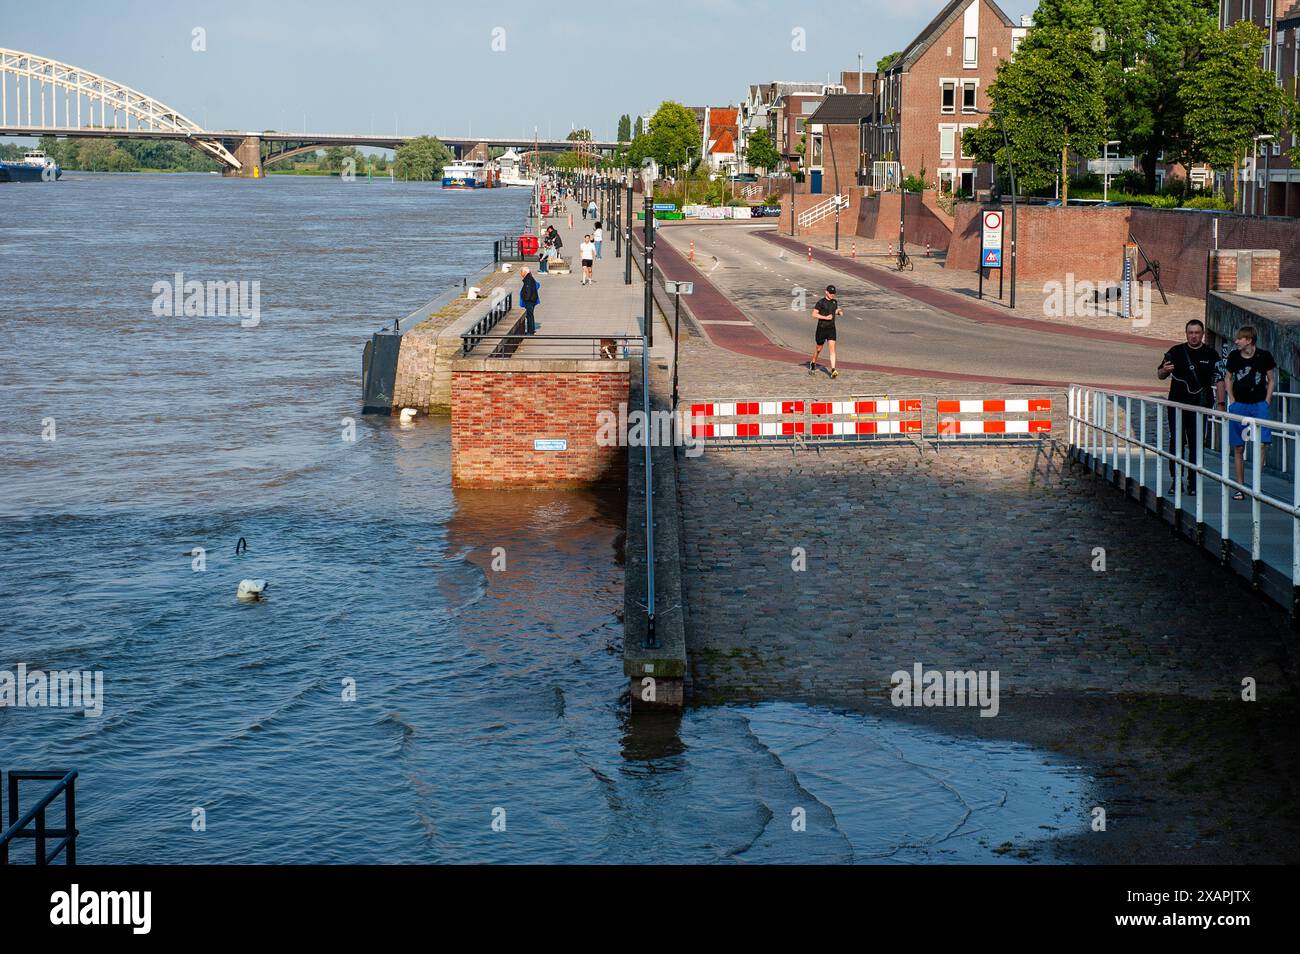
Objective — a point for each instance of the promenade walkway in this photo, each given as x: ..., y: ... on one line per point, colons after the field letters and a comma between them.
x: 607, y: 308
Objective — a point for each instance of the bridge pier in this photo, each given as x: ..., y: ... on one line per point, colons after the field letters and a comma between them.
x: 249, y: 153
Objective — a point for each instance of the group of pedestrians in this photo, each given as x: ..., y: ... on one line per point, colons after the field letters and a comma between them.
x: 549, y: 250
x: 1240, y: 378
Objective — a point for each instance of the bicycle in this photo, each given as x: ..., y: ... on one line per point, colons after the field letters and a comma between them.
x: 904, y: 260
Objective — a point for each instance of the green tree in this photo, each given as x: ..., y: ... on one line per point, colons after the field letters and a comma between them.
x: 760, y: 153
x: 421, y: 159
x: 625, y: 128
x: 674, y: 137
x: 1229, y: 99
x: 579, y: 135
x: 1145, y: 48
x: 1052, y: 100
x: 886, y: 61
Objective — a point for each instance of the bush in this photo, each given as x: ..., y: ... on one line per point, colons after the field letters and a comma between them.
x: 914, y: 184
x: 1207, y: 202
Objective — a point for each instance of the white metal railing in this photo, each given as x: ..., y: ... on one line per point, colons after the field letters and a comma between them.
x: 821, y: 210
x: 1123, y: 432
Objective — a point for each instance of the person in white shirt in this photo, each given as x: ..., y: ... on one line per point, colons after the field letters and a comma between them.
x: 587, y: 252
x: 598, y: 237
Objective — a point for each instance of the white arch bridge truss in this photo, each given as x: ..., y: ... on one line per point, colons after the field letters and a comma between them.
x: 117, y: 104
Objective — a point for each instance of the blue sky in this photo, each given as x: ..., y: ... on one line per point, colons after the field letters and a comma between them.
x: 429, y: 67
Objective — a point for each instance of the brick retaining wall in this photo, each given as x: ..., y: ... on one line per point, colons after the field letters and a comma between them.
x: 499, y: 407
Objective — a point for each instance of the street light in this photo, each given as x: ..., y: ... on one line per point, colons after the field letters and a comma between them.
x: 1264, y: 138
x: 648, y: 175
x: 1105, y: 172
x: 627, y: 262
x: 677, y: 290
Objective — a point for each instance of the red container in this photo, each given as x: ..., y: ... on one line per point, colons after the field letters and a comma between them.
x: 546, y: 208
x: 527, y: 245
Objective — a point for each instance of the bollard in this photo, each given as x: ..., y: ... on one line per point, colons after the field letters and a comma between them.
x: 810, y: 253
x: 854, y: 252
x: 570, y: 220
x: 691, y: 257
x: 927, y: 248
x: 891, y: 249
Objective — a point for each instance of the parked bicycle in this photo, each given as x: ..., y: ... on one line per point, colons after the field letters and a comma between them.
x: 904, y: 260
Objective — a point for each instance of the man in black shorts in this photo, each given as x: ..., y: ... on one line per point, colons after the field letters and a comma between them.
x: 1190, y: 370
x: 825, y: 312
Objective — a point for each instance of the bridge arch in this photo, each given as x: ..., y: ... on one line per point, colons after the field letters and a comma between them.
x: 149, y: 114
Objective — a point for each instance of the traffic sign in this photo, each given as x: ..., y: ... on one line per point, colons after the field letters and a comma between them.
x: 992, y: 258
x: 992, y: 230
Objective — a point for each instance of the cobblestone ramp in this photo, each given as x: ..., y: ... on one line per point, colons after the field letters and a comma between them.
x: 969, y: 558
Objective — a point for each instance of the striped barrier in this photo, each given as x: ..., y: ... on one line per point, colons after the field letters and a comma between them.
x: 868, y: 419
x: 970, y: 418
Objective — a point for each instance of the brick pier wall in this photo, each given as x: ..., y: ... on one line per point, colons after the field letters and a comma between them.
x: 1088, y: 242
x: 500, y: 407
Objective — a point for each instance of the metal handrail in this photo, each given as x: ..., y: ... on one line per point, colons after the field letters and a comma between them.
x: 617, y: 347
x: 1096, y: 432
x: 650, y: 638
x: 478, y: 331
x: 65, y: 785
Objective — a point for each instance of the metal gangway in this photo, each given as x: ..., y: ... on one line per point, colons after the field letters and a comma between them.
x: 1126, y: 438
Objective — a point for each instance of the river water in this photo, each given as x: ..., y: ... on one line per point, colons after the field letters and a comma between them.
x: 228, y: 731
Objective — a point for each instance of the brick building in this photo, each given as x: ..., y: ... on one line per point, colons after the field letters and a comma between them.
x: 719, y: 143
x: 835, y: 158
x: 1267, y: 178
x: 934, y: 89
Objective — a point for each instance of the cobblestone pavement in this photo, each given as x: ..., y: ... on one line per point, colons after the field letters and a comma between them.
x: 968, y: 558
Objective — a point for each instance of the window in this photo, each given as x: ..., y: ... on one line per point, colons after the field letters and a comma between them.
x: 968, y: 52
x: 809, y: 106
x: 949, y: 96
x: 947, y: 135
x: 964, y: 153
x: 1015, y: 44
x: 799, y: 124
x: 968, y: 97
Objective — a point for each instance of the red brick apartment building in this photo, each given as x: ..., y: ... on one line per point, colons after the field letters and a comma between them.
x: 1269, y: 182
x: 937, y: 87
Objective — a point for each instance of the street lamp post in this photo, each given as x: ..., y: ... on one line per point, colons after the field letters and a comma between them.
x: 648, y: 181
x: 617, y: 208
x: 1011, y: 169
x: 1105, y: 172
x: 627, y: 261
x: 1266, y: 139
x: 677, y: 290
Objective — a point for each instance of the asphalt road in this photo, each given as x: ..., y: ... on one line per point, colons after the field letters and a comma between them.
x: 881, y: 327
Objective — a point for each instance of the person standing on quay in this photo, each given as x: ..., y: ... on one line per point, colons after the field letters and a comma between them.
x: 583, y: 208
x: 591, y: 207
x: 1250, y: 381
x: 1190, y: 368
x: 587, y: 252
x: 598, y: 237
x: 529, y: 299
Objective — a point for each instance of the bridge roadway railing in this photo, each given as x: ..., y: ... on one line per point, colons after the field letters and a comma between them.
x: 1125, y: 438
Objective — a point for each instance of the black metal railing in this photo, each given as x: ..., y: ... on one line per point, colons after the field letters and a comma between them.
x: 585, y: 347
x: 31, y: 824
x: 479, y: 330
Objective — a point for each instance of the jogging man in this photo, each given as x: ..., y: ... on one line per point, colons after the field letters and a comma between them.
x: 587, y: 252
x: 1190, y: 370
x: 825, y: 312
x: 1251, y: 376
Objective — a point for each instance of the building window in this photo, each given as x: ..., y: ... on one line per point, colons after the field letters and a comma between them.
x: 947, y: 136
x: 968, y: 97
x: 799, y: 124
x: 968, y: 52
x: 1015, y: 44
x: 949, y: 97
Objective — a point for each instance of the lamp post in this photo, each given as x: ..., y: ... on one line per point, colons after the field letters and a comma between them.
x: 617, y: 208
x: 1105, y: 172
x: 627, y: 261
x: 1266, y: 139
x: 677, y: 290
x: 648, y: 182
x: 1011, y: 169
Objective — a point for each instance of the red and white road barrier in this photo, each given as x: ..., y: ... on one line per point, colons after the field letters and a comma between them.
x: 950, y: 426
x: 862, y: 420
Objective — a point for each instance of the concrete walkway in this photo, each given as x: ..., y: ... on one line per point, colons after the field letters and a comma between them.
x: 607, y: 308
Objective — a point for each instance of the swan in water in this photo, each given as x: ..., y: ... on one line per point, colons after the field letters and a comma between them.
x: 251, y: 589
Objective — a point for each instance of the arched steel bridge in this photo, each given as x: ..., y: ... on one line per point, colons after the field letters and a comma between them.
x: 127, y: 113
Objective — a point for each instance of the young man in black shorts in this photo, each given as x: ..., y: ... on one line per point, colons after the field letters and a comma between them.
x: 825, y: 312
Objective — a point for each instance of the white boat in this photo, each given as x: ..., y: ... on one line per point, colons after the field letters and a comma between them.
x: 465, y: 174
x: 511, y: 165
